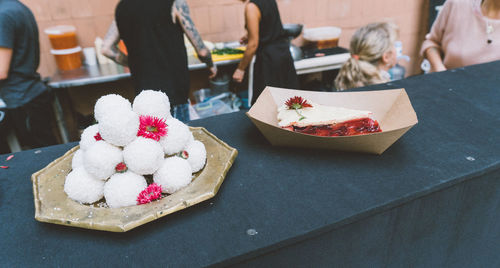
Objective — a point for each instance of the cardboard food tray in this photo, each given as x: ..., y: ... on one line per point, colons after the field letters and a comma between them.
x: 391, y: 108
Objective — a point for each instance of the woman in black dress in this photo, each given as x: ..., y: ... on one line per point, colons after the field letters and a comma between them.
x: 266, y: 39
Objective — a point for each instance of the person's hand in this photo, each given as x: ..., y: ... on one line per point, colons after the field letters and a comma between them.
x: 213, y: 71
x: 115, y: 55
x: 244, y: 39
x: 238, y: 75
x: 437, y: 68
x: 433, y: 55
x: 122, y: 59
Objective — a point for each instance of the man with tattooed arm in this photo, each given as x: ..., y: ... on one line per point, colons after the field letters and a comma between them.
x: 153, y: 32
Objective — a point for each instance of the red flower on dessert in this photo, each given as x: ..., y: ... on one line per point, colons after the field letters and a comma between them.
x: 152, y: 192
x: 297, y: 103
x: 121, y: 167
x: 98, y: 137
x: 184, y: 155
x: 152, y: 127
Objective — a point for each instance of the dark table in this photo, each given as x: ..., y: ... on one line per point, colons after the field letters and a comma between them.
x: 430, y: 200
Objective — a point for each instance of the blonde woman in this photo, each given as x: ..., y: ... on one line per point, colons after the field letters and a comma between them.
x: 372, y: 55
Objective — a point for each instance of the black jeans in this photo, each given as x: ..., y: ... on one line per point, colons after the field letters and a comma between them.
x: 33, y: 121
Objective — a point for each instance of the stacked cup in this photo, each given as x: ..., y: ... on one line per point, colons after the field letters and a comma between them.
x: 65, y: 47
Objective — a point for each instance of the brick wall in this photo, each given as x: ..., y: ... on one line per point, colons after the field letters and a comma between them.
x: 222, y: 20
x: 91, y: 17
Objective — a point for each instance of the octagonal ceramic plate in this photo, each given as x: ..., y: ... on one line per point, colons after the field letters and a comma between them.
x: 52, y: 205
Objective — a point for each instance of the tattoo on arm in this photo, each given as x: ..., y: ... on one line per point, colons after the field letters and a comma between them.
x: 109, y: 45
x: 191, y: 32
x: 111, y: 39
x: 207, y: 59
x: 112, y: 35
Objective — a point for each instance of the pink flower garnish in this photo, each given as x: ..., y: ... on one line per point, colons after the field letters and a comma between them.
x: 98, y: 137
x: 152, y: 192
x: 152, y: 127
x: 121, y: 168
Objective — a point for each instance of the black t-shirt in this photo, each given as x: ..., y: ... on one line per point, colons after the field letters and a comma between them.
x: 157, y: 55
x: 270, y: 26
x: 19, y: 32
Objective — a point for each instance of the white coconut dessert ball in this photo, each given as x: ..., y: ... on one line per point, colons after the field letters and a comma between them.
x: 178, y: 136
x: 191, y: 137
x: 122, y: 189
x: 88, y: 136
x: 82, y: 187
x: 174, y: 174
x: 197, y: 155
x: 143, y: 156
x: 152, y: 103
x: 119, y: 128
x: 100, y: 159
x: 77, y: 160
x: 110, y: 103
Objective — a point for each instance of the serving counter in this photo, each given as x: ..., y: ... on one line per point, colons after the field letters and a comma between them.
x: 431, y: 200
x: 88, y: 75
x: 99, y: 74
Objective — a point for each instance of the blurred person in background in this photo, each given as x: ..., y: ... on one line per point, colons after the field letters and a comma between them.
x: 153, y: 32
x: 29, y: 103
x: 372, y: 55
x: 266, y: 40
x: 465, y: 32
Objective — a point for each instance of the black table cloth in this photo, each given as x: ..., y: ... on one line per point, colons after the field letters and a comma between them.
x: 431, y: 200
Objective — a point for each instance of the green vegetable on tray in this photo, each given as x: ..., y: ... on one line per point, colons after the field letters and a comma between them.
x: 227, y: 51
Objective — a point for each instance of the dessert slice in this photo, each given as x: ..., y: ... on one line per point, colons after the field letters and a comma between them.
x: 299, y: 115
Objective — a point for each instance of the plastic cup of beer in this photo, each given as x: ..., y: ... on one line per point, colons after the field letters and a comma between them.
x: 62, y: 36
x: 68, y: 59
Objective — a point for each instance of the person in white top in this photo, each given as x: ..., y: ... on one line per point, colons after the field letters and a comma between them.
x: 466, y: 32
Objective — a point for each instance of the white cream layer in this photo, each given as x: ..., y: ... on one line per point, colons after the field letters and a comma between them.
x: 318, y: 115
